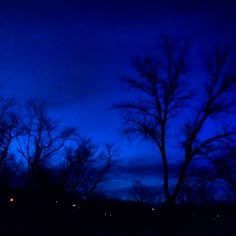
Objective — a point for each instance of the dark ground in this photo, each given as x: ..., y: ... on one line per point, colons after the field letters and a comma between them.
x: 43, y: 221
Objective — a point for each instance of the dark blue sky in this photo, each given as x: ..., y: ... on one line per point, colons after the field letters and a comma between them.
x: 70, y: 55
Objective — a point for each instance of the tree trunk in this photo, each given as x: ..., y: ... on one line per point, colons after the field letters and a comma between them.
x: 168, y: 222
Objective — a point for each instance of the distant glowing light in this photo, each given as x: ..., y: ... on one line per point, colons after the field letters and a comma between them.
x: 11, y: 200
x: 105, y: 214
x: 56, y: 201
x: 73, y: 205
x: 153, y: 209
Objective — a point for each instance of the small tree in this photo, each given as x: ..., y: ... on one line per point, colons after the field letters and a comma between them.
x: 162, y: 94
x: 8, y: 127
x: 85, y: 167
x: 144, y: 194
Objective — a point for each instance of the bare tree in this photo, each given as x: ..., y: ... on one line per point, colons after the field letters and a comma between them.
x: 206, y: 180
x: 225, y: 166
x: 163, y: 93
x: 41, y: 138
x: 196, y: 186
x: 144, y: 194
x: 138, y: 192
x: 8, y: 127
x: 85, y: 167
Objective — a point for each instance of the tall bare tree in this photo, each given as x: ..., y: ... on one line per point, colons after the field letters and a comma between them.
x: 163, y: 93
x: 41, y: 138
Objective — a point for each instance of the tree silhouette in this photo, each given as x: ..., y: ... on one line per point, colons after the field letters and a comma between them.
x: 85, y: 167
x: 144, y: 194
x: 162, y: 94
x: 196, y: 187
x: 8, y: 127
x: 225, y: 166
x: 41, y: 138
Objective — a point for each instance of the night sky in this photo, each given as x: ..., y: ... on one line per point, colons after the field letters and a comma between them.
x: 71, y: 55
